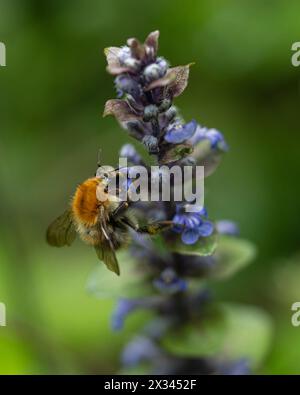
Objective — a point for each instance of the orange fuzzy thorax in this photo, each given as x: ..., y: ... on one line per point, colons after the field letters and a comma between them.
x: 85, y: 205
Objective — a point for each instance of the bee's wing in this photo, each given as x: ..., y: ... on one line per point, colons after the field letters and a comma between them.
x: 62, y: 230
x: 106, y: 254
x: 106, y: 251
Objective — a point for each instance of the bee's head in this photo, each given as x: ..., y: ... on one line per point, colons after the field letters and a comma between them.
x: 111, y: 181
x: 106, y: 176
x: 105, y: 173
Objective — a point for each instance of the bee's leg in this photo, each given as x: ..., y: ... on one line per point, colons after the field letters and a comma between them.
x: 129, y: 222
x: 120, y: 209
x: 149, y: 229
x: 155, y: 227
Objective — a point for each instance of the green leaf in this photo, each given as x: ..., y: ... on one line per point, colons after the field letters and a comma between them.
x: 231, y: 332
x: 103, y: 284
x: 232, y: 254
x: 205, y: 246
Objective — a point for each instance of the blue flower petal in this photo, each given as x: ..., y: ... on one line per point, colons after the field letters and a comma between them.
x: 123, y: 308
x: 203, y: 212
x: 199, y: 135
x: 237, y: 368
x: 227, y: 227
x: 181, y: 285
x: 169, y: 282
x: 177, y: 229
x: 190, y: 236
x: 128, y: 151
x: 175, y: 286
x: 215, y: 138
x: 138, y: 350
x: 205, y: 229
x: 179, y: 134
x: 179, y: 220
x: 193, y: 221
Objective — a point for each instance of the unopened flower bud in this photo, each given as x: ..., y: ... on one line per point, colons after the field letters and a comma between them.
x: 128, y: 85
x: 165, y: 105
x: 152, y: 72
x: 150, y: 112
x: 128, y: 151
x: 171, y: 113
x: 135, y: 128
x: 188, y: 161
x: 124, y: 54
x: 151, y: 143
x: 132, y: 63
x: 163, y: 65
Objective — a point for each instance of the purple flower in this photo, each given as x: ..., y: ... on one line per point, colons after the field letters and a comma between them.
x: 227, y: 227
x: 123, y: 308
x: 151, y: 143
x: 128, y: 151
x: 138, y: 350
x: 215, y: 137
x: 192, y: 225
x: 169, y: 282
x: 180, y: 133
x: 153, y: 72
x: 126, y: 306
x: 126, y: 84
x: 127, y: 60
x: 235, y: 368
x: 146, y: 88
x: 158, y: 327
x: 163, y: 65
x: 124, y: 54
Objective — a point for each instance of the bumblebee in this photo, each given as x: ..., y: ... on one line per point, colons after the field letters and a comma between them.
x: 100, y: 219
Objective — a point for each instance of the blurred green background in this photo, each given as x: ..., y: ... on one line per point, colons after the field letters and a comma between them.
x: 52, y: 94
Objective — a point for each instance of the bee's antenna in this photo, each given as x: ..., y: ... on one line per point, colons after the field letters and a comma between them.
x: 98, y: 157
x: 118, y: 168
